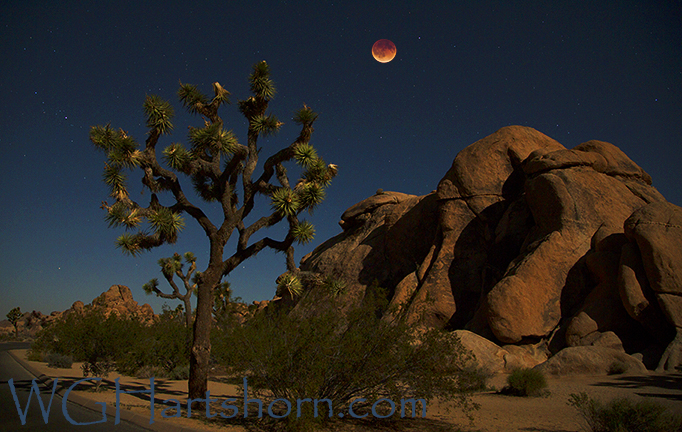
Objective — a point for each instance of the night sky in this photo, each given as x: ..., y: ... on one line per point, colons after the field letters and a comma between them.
x: 574, y: 70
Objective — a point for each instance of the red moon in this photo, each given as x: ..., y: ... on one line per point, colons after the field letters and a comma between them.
x: 383, y: 50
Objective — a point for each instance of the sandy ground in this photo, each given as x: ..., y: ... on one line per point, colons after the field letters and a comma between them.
x: 497, y: 412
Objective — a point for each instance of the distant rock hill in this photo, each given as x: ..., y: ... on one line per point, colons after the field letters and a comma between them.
x: 118, y: 299
x: 526, y: 248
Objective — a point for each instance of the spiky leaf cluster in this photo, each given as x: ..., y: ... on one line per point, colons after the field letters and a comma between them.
x: 261, y: 84
x: 318, y: 172
x: 305, y: 155
x: 177, y: 157
x: 305, y: 116
x: 133, y: 244
x: 104, y: 137
x: 310, y: 195
x: 265, y: 125
x: 116, y: 180
x: 250, y: 107
x: 166, y: 223
x: 151, y: 286
x: 289, y: 283
x: 192, y: 98
x: 304, y: 232
x: 170, y: 266
x: 221, y: 95
x: 213, y: 138
x: 285, y: 201
x: 189, y: 257
x: 159, y: 114
x: 121, y: 214
x: 122, y: 152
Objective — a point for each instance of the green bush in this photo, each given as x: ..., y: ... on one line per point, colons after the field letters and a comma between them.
x: 34, y: 355
x: 622, y: 414
x: 148, y: 372
x: 56, y: 360
x: 161, y: 347
x: 475, y: 378
x: 179, y: 373
x: 123, y: 343
x: 525, y: 382
x: 90, y: 337
x: 345, y: 356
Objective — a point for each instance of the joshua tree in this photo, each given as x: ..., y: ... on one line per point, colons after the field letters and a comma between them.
x: 14, y: 316
x: 223, y: 173
x: 171, y: 267
x: 222, y: 302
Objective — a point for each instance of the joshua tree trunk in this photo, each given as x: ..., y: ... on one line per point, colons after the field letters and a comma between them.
x: 200, y: 354
x: 188, y: 321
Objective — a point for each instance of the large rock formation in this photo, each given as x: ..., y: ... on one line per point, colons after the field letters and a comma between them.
x: 523, y: 241
x: 118, y: 299
x: 656, y: 230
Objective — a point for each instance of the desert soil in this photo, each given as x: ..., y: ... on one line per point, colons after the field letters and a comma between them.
x: 496, y: 413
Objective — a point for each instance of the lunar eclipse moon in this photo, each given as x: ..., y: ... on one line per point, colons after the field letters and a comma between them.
x: 383, y: 50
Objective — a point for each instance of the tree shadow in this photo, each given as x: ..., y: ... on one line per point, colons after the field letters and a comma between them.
x: 358, y: 425
x: 669, y: 384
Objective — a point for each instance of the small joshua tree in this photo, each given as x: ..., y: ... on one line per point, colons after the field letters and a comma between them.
x: 223, y: 303
x: 171, y: 267
x: 13, y: 317
x: 223, y: 173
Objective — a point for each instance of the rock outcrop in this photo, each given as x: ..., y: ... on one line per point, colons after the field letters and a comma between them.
x: 118, y: 299
x: 524, y: 242
x: 493, y: 358
x: 592, y: 360
x: 656, y: 231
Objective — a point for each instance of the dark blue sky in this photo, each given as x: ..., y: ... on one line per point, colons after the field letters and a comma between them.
x: 574, y: 70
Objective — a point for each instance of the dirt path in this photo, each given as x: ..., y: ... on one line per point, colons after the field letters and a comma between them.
x: 497, y: 412
x: 552, y: 413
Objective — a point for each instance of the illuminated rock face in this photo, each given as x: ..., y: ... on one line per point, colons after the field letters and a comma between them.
x: 117, y: 299
x: 520, y: 243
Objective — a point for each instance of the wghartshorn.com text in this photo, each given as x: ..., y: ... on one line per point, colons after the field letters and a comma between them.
x: 382, y: 408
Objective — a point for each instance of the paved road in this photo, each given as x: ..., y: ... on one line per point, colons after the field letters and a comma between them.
x: 10, y: 419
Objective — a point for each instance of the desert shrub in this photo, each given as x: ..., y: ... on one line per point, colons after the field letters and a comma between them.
x: 122, y: 343
x: 99, y: 369
x: 343, y: 357
x: 34, y: 355
x: 89, y: 337
x: 148, y: 372
x: 56, y: 360
x: 475, y: 378
x: 162, y: 346
x: 180, y: 372
x: 617, y: 368
x: 525, y: 382
x: 622, y: 414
